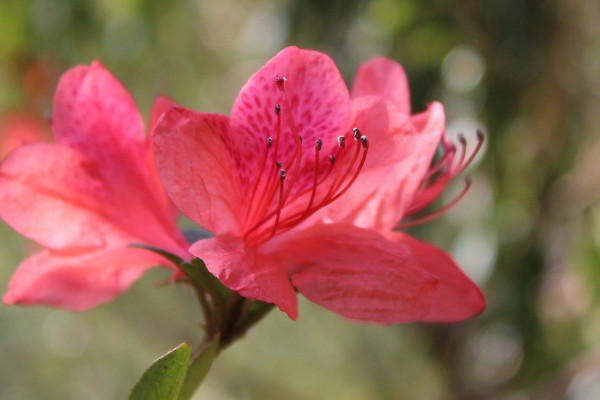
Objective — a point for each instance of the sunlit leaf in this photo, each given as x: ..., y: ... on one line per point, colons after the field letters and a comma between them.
x: 163, y: 380
x: 198, y: 369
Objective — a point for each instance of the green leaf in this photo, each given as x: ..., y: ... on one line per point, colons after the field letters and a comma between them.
x: 198, y: 369
x: 164, y: 379
x: 169, y: 256
x: 196, y: 271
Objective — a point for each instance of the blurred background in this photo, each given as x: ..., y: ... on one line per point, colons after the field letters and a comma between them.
x: 526, y: 72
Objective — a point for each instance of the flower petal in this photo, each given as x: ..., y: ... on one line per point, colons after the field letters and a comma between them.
x: 456, y: 296
x: 192, y: 153
x: 320, y: 108
x: 397, y: 161
x: 385, y: 78
x: 78, y: 282
x: 55, y: 196
x: 239, y: 268
x: 161, y: 105
x: 356, y: 273
x: 95, y: 114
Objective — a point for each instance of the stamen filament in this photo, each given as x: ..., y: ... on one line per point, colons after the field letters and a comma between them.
x: 262, y: 168
x: 437, y: 213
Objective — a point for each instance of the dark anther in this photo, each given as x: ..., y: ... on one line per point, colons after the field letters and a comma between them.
x: 282, y: 174
x: 269, y: 142
x: 332, y: 158
x: 341, y: 141
x: 280, y: 80
x: 356, y: 133
x: 277, y: 109
x: 480, y: 135
x: 364, y: 141
x: 300, y: 137
x: 279, y: 164
x: 319, y: 144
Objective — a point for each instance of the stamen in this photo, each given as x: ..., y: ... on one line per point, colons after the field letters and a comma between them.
x: 332, y: 159
x: 341, y: 141
x: 262, y: 168
x: 349, y: 167
x: 364, y: 141
x: 441, y: 162
x: 267, y: 193
x: 356, y: 133
x: 437, y: 213
x: 480, y: 139
x: 365, y: 144
x: 297, y: 158
x: 315, y: 182
x: 281, y: 201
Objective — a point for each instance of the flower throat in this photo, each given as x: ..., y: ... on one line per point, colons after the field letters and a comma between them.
x: 273, y: 208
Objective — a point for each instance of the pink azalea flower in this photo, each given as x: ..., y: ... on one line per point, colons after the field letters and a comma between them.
x: 299, y: 201
x: 20, y: 127
x: 87, y: 197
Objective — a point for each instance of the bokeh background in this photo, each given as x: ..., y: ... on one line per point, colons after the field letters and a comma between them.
x: 527, y: 72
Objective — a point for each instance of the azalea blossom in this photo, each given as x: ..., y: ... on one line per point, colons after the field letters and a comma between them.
x: 87, y: 197
x: 303, y: 185
x: 21, y: 127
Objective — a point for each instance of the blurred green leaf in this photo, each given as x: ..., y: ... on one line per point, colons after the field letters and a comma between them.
x: 169, y: 256
x: 164, y: 378
x: 198, y: 369
x: 200, y: 276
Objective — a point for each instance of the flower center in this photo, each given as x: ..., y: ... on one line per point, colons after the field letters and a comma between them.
x: 278, y: 202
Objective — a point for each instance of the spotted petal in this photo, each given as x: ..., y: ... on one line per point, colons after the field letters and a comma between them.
x: 319, y: 105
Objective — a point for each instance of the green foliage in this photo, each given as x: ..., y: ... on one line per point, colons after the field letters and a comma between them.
x: 164, y: 379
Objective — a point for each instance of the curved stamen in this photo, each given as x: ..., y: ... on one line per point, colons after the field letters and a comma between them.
x: 480, y: 139
x: 437, y: 213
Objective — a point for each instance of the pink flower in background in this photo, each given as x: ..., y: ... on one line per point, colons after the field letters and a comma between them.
x: 20, y: 127
x: 301, y: 201
x: 87, y: 197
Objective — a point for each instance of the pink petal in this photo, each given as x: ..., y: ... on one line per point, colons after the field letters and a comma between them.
x: 161, y: 105
x: 196, y: 163
x: 55, y: 196
x: 385, y: 78
x: 397, y: 161
x: 320, y: 108
x: 78, y: 282
x: 239, y: 268
x: 356, y: 273
x: 456, y: 296
x: 95, y: 114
